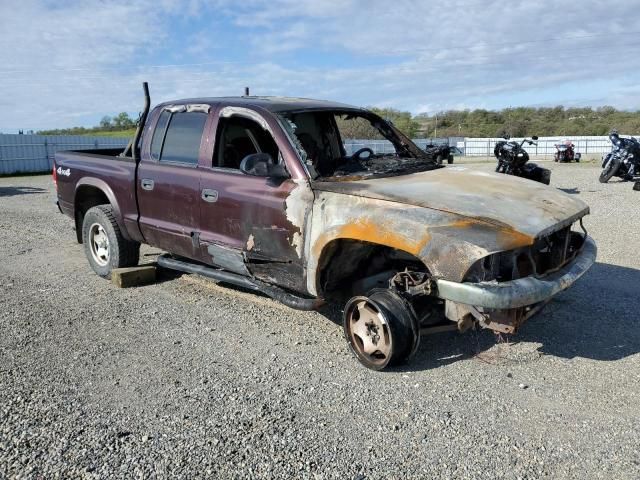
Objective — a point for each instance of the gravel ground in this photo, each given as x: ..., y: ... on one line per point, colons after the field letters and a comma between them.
x: 186, y: 378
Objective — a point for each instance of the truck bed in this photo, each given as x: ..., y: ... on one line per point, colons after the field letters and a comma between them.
x: 102, y: 170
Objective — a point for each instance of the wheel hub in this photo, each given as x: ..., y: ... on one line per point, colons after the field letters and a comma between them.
x: 372, y: 331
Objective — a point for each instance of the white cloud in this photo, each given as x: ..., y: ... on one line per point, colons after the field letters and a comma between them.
x: 70, y: 63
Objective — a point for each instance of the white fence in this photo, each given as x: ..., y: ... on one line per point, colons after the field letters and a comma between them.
x: 544, y: 145
x: 34, y: 153
x: 483, y: 147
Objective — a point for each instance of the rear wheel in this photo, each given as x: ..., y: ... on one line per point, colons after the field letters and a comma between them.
x: 439, y: 159
x: 104, y: 245
x: 380, y: 328
x: 609, y: 170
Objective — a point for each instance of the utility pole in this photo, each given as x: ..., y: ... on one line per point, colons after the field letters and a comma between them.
x: 436, y: 132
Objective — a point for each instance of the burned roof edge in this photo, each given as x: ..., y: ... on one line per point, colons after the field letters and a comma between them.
x: 272, y: 104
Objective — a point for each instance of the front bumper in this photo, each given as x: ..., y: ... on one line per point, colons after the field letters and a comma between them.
x: 524, y: 291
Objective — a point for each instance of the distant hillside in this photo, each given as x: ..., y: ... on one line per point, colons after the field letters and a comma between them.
x: 525, y: 121
x: 119, y: 126
x: 518, y: 122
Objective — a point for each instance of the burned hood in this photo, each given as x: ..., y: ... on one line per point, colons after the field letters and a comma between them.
x: 509, y: 202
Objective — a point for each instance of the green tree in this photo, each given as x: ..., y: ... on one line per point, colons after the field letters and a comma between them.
x: 122, y: 121
x: 105, y: 122
x: 403, y: 121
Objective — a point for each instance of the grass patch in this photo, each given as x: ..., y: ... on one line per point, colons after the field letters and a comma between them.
x: 117, y: 133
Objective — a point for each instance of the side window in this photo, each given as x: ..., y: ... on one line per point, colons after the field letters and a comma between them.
x: 238, y: 137
x: 158, y: 135
x: 177, y: 137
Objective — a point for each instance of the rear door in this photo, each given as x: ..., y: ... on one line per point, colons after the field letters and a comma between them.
x: 168, y: 180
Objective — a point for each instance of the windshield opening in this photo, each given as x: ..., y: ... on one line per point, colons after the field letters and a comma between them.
x: 320, y: 137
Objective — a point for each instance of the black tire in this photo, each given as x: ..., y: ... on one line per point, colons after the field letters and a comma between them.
x: 545, y: 176
x: 398, y: 341
x: 450, y: 159
x: 609, y: 170
x: 118, y: 252
x: 439, y: 159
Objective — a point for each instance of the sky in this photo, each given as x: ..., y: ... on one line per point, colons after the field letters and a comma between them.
x: 69, y: 63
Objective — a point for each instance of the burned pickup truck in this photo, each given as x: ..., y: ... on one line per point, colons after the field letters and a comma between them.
x: 259, y: 192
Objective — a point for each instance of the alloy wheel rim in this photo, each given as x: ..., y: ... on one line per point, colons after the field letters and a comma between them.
x: 99, y: 243
x: 369, y: 332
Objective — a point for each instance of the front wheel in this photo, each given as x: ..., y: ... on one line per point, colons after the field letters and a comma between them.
x: 104, y: 245
x: 439, y: 159
x: 380, y: 328
x: 450, y: 159
x: 609, y: 170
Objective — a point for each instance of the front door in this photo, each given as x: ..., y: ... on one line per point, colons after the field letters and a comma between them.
x: 244, y: 225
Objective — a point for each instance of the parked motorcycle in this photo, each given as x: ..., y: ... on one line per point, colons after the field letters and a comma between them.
x: 513, y: 160
x: 565, y: 152
x: 623, y: 160
x: 439, y: 153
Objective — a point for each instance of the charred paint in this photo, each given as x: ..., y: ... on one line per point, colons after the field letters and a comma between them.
x: 369, y: 230
x: 506, y: 237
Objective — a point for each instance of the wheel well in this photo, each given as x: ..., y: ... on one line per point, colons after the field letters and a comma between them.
x: 345, y: 263
x: 87, y: 196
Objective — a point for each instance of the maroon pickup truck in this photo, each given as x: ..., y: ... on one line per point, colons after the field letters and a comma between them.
x: 260, y: 192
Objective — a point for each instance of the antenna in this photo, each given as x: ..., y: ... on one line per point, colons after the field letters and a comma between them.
x: 246, y: 91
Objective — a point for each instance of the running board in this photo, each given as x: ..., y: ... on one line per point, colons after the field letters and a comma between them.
x: 277, y: 293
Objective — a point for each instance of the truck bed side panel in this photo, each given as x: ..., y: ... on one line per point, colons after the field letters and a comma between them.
x: 112, y: 175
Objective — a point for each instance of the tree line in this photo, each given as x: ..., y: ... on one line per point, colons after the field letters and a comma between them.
x: 517, y: 122
x: 120, y: 123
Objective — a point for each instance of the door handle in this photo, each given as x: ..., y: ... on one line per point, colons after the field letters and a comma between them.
x: 146, y: 184
x: 210, y: 196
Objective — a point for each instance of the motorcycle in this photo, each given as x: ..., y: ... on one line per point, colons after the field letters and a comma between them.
x: 439, y: 153
x: 623, y: 160
x: 565, y: 152
x: 513, y: 160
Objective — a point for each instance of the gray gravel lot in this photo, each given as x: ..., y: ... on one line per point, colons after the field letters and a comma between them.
x: 186, y: 378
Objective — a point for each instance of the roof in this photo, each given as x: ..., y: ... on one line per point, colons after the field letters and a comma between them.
x: 272, y: 104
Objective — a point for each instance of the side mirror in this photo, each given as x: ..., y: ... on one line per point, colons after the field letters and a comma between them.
x: 261, y: 165
x: 535, y: 137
